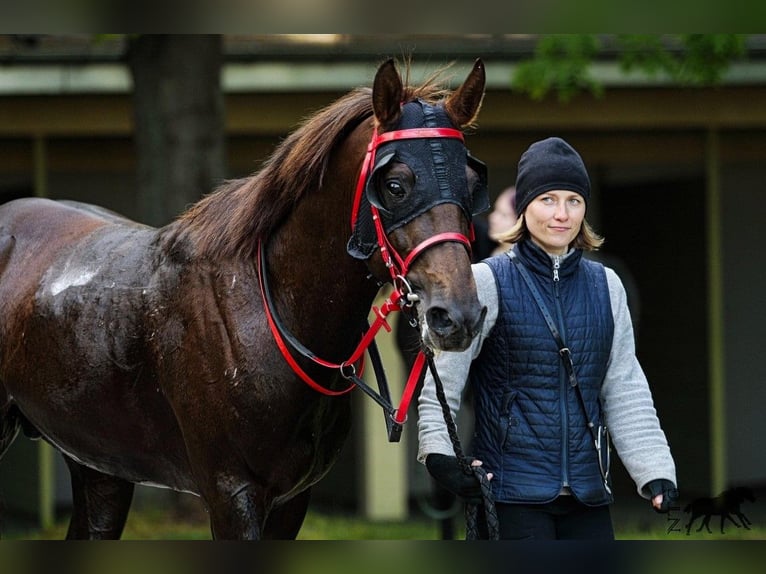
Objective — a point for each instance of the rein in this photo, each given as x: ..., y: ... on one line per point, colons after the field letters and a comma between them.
x: 401, y: 297
x: 348, y: 370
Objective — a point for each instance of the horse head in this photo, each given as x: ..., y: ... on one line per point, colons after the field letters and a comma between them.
x: 421, y: 189
x: 744, y: 493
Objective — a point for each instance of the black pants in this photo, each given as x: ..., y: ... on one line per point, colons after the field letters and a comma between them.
x: 563, y: 519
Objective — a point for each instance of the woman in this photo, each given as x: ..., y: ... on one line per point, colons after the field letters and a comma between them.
x: 532, y: 411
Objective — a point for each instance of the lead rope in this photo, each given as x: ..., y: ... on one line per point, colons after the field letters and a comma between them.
x: 472, y: 529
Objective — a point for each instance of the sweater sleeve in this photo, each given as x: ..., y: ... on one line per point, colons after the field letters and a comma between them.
x: 628, y: 405
x: 453, y: 369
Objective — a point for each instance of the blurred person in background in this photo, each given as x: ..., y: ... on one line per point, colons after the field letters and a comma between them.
x: 502, y: 218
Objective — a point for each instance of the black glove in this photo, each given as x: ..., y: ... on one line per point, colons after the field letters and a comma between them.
x: 448, y: 474
x: 668, y: 491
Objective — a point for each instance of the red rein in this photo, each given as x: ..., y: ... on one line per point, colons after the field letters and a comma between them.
x: 397, y: 266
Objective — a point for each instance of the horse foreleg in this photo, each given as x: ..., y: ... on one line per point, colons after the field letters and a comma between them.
x: 692, y: 518
x: 100, y: 504
x: 9, y: 426
x: 285, y: 521
x: 730, y: 518
x: 236, y: 515
x: 745, y: 520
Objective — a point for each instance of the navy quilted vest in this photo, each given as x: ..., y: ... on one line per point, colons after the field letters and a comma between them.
x: 530, y: 430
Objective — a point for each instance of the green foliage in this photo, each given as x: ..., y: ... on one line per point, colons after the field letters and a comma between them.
x: 690, y: 59
x: 645, y: 52
x: 562, y: 63
x: 708, y: 56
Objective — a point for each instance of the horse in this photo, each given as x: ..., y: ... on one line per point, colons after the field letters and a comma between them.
x: 726, y: 505
x: 214, y: 355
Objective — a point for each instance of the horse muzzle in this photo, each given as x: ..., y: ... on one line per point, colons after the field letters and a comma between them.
x: 446, y: 330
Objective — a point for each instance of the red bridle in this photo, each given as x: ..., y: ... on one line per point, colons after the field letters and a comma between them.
x: 398, y: 269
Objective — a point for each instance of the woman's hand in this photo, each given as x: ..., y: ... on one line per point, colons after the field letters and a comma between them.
x: 448, y: 474
x: 664, y: 494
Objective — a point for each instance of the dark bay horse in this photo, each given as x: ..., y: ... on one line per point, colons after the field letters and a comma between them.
x: 727, y: 505
x: 146, y: 356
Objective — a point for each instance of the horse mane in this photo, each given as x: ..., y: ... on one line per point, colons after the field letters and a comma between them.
x: 230, y: 221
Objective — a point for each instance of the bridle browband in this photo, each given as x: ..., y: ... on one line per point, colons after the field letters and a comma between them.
x: 401, y: 297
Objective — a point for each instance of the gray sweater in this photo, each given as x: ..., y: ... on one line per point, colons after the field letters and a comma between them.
x: 627, y: 401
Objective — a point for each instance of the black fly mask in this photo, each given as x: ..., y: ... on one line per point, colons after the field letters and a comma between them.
x: 438, y: 164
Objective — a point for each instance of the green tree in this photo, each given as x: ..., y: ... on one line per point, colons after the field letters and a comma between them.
x: 561, y: 63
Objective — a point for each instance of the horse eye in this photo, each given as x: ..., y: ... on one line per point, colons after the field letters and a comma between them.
x: 398, y: 181
x: 395, y: 188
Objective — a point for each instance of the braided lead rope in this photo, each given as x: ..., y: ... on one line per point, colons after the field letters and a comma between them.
x: 472, y: 528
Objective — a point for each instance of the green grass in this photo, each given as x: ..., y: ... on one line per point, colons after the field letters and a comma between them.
x: 155, y: 525
x: 150, y: 524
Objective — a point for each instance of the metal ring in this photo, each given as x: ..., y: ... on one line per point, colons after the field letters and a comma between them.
x: 400, y: 283
x: 351, y: 374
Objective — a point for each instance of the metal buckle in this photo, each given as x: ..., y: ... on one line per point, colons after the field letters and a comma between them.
x: 602, y: 431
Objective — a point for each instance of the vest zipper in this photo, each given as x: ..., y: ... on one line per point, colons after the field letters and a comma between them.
x: 563, y: 408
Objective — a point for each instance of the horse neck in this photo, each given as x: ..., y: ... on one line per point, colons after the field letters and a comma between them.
x: 321, y: 292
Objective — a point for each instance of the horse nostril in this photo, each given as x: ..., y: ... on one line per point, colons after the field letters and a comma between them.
x: 439, y: 320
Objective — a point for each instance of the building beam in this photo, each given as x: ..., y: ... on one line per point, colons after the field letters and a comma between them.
x: 45, y: 465
x: 384, y: 487
x: 275, y: 114
x: 716, y: 350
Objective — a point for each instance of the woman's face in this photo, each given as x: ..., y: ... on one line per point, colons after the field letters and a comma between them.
x: 554, y: 219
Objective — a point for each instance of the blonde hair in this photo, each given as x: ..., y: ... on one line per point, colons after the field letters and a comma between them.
x: 587, y: 239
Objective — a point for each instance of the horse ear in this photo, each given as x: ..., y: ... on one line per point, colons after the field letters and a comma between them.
x: 387, y: 93
x: 464, y: 103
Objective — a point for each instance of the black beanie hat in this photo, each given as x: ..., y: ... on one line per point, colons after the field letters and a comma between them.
x: 547, y: 165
